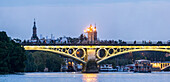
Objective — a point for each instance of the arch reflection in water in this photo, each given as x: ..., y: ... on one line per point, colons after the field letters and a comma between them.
x: 89, y: 78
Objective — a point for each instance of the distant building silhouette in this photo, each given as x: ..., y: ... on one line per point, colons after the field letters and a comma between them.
x: 34, y: 35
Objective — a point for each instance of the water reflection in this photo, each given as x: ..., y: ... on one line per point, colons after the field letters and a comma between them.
x: 79, y: 77
x: 89, y: 78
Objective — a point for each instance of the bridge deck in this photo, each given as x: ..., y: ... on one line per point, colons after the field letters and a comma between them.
x: 95, y: 44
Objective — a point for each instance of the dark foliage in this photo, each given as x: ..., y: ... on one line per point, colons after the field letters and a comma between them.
x: 11, y: 55
x: 37, y: 61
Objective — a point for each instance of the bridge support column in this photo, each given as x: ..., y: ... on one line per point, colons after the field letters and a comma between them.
x: 91, y: 54
x: 91, y: 65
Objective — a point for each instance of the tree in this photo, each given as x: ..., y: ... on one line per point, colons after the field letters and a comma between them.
x: 135, y: 42
x: 24, y: 41
x: 81, y: 38
x: 17, y: 40
x: 38, y: 61
x: 11, y: 55
x: 120, y: 41
x: 30, y: 66
x: 4, y: 57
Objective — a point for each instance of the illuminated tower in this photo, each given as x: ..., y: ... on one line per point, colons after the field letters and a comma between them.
x: 34, y: 35
x: 95, y: 33
x: 92, y: 34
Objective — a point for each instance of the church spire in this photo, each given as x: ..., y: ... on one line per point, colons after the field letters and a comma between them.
x: 34, y: 35
x: 34, y: 24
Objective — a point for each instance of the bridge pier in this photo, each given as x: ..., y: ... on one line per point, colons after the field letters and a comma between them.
x: 91, y: 65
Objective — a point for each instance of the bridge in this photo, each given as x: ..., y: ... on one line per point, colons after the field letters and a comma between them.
x: 99, y: 52
x: 161, y: 65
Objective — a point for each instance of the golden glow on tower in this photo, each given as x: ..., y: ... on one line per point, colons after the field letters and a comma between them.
x: 84, y: 31
x: 94, y: 29
x: 92, y: 34
x: 90, y: 29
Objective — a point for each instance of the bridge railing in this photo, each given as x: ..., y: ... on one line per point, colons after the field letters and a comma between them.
x: 42, y: 44
x: 105, y: 42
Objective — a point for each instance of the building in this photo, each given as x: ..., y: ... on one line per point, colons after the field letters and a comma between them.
x: 92, y: 34
x: 95, y: 34
x: 34, y: 35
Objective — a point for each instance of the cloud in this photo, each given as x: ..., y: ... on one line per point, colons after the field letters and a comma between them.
x: 126, y: 20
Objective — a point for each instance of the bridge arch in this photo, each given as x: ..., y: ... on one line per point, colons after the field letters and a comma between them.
x: 60, y: 53
x: 134, y: 50
x: 163, y: 68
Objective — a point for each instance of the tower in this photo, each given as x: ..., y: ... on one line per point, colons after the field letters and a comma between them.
x: 95, y: 33
x: 92, y: 34
x: 34, y: 35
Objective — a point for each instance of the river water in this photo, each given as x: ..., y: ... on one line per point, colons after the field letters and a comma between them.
x: 79, y: 77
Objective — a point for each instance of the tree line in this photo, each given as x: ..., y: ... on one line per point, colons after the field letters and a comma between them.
x: 13, y: 58
x: 38, y: 61
x: 12, y: 55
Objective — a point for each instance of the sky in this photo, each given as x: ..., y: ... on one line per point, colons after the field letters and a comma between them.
x: 128, y: 20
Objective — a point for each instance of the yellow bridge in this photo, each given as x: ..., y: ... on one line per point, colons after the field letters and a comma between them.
x: 83, y: 53
x: 160, y: 65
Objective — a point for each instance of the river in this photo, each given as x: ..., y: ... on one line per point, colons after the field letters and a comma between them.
x: 79, y: 77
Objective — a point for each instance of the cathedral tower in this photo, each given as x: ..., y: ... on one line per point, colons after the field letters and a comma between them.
x: 95, y: 33
x: 92, y: 34
x: 34, y: 35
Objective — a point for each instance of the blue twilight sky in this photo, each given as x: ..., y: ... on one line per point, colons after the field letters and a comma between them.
x: 115, y: 19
